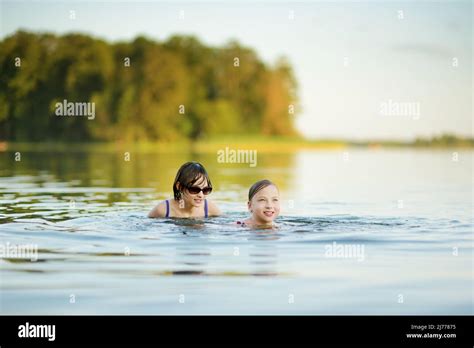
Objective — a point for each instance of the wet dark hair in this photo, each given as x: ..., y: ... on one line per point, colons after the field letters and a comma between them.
x: 187, y: 175
x: 259, y: 185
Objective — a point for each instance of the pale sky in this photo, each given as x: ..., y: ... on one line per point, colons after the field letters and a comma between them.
x: 350, y: 58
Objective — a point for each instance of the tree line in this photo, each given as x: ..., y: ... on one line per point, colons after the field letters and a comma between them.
x: 143, y: 90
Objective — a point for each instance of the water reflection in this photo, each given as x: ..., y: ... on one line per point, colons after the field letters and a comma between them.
x: 85, y: 210
x: 145, y: 170
x: 193, y: 256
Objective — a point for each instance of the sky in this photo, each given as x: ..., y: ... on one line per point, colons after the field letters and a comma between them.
x: 365, y: 69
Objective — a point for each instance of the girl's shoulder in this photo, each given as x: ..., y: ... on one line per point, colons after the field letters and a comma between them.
x: 161, y: 209
x: 213, y: 208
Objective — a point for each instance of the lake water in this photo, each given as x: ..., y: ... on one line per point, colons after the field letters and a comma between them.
x: 361, y: 232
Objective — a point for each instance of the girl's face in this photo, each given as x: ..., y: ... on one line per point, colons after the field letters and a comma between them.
x: 265, y: 205
x: 197, y: 199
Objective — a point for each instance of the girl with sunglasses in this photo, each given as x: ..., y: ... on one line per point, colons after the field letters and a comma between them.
x: 190, y: 186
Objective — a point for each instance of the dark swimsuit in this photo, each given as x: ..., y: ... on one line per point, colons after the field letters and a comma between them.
x: 206, y: 214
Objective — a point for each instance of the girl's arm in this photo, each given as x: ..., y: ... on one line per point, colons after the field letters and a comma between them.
x: 213, y: 209
x: 158, y: 211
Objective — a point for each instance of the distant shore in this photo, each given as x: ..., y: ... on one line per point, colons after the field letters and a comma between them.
x: 260, y: 143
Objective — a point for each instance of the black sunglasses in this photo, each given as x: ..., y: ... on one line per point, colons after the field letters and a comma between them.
x: 194, y: 190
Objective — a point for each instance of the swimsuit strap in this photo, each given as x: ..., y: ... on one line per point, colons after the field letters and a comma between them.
x: 167, y: 208
x: 205, y: 208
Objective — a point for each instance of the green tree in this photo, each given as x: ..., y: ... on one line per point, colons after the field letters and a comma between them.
x: 142, y: 90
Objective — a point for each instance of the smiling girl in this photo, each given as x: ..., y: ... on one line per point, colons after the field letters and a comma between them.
x: 263, y: 204
x: 190, y: 186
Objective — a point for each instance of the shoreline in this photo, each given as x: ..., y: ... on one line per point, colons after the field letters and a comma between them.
x: 262, y: 144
